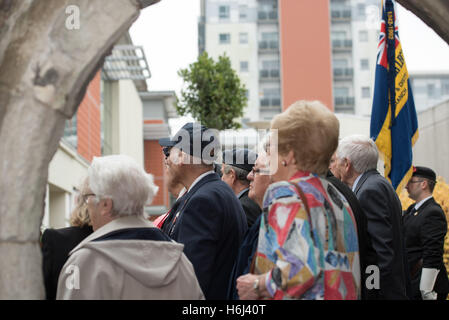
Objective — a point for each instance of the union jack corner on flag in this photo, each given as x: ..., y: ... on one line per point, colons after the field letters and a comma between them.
x: 394, y: 124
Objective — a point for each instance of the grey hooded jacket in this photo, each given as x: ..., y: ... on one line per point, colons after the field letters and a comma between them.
x: 104, y: 267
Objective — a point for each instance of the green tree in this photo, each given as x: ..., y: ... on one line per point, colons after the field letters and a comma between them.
x: 214, y: 94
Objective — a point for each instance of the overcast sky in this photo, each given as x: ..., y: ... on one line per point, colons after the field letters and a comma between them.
x: 168, y: 31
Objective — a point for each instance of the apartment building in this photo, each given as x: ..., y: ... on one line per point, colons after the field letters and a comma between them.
x: 288, y: 50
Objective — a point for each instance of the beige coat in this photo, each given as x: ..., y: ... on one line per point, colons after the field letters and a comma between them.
x: 127, y: 269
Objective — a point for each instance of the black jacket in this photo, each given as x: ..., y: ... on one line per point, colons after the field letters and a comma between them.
x: 424, y: 239
x: 209, y: 220
x: 56, y: 246
x: 367, y: 254
x: 383, y: 211
x: 252, y: 210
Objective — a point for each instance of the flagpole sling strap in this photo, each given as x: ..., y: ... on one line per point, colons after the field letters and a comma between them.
x: 391, y: 55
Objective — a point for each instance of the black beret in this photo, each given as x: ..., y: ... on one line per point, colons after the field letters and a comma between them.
x: 240, y: 158
x: 424, y: 173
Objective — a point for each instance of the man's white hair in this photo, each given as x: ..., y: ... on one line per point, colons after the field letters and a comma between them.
x: 360, y: 150
x: 120, y: 178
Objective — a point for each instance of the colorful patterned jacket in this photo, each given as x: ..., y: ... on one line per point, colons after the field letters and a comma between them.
x: 308, y: 255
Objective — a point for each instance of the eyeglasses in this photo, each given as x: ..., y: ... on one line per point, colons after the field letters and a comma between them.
x: 415, y: 181
x: 166, y: 151
x: 258, y: 171
x: 86, y: 197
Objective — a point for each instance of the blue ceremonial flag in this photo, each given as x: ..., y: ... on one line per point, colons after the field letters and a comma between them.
x: 394, y: 124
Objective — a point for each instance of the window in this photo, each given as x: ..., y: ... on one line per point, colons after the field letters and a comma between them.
x: 445, y: 86
x: 243, y: 37
x: 243, y: 12
x: 223, y: 12
x: 364, y: 64
x: 430, y: 90
x: 70, y: 131
x: 340, y: 63
x: 366, y: 92
x: 225, y: 38
x: 341, y: 92
x: 243, y: 66
x: 338, y: 35
x: 363, y: 36
x: 270, y: 36
x: 361, y: 10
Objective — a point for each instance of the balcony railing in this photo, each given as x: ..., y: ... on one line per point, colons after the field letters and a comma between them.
x: 270, y: 102
x: 271, y: 45
x: 339, y: 44
x: 343, y: 73
x: 269, y: 74
x: 341, y: 14
x: 344, y: 101
x: 267, y: 16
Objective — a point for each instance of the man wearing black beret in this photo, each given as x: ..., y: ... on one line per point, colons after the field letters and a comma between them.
x: 237, y: 164
x: 425, y: 227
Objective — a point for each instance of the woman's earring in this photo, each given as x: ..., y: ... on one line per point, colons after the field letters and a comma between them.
x: 284, y: 163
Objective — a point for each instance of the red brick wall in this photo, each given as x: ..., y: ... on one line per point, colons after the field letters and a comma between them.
x: 89, y: 121
x: 154, y: 164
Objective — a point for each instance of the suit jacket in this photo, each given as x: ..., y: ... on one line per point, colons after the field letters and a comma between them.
x: 383, y: 211
x: 209, y: 220
x: 424, y: 239
x: 56, y: 245
x: 252, y: 210
x: 367, y: 254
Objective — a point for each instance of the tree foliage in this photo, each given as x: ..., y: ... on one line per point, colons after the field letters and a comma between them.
x: 214, y: 94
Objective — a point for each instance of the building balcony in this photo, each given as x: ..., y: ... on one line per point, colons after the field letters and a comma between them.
x: 341, y: 14
x: 267, y: 74
x: 269, y: 103
x: 344, y: 101
x: 343, y: 73
x: 267, y: 16
x: 266, y: 45
x: 341, y: 45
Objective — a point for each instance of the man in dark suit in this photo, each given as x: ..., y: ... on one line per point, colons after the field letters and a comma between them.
x: 237, y: 164
x: 208, y: 219
x: 425, y: 227
x: 357, y: 158
x: 366, y: 251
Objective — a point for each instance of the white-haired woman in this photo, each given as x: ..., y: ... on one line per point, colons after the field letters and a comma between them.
x: 308, y: 246
x: 126, y: 257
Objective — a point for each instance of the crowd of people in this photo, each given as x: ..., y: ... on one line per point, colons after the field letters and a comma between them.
x: 306, y: 216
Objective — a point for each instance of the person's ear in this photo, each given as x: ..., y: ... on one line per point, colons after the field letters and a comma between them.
x: 347, y: 165
x: 233, y: 175
x: 424, y: 184
x: 290, y: 158
x: 106, y: 207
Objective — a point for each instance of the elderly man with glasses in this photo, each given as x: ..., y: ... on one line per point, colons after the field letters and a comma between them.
x: 237, y: 164
x: 425, y: 227
x: 126, y: 257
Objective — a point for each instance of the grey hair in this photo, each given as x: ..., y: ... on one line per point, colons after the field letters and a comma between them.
x: 121, y: 179
x: 240, y: 173
x: 360, y: 150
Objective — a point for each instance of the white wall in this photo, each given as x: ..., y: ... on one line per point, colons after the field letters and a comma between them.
x: 352, y: 124
x: 66, y: 172
x: 127, y: 119
x: 432, y: 148
x: 130, y: 121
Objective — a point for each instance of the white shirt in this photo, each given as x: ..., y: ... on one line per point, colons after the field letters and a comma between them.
x: 355, y: 182
x: 419, y: 204
x: 199, y: 178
